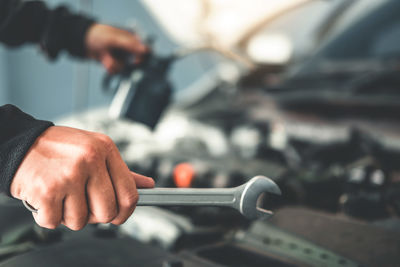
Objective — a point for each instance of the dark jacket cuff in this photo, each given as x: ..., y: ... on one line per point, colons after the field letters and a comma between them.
x: 18, y: 133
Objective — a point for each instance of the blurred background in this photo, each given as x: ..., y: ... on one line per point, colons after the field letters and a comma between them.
x: 305, y: 92
x: 49, y: 90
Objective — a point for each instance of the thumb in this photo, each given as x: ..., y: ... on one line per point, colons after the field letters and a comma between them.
x: 143, y: 181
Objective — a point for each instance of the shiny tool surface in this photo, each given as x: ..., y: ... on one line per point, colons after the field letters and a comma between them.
x: 244, y: 198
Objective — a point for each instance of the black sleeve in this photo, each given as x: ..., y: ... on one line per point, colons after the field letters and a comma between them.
x: 32, y: 22
x: 18, y: 131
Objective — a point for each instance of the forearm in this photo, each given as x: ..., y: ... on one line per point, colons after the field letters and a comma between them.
x: 18, y: 131
x: 32, y: 22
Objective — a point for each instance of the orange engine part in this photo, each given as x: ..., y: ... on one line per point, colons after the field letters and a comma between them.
x: 183, y: 174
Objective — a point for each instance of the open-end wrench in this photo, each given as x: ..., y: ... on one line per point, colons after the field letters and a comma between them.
x: 244, y: 198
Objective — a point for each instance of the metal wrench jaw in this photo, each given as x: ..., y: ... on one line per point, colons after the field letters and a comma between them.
x: 251, y: 191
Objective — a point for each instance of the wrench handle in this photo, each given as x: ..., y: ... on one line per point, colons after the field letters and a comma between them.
x: 186, y: 197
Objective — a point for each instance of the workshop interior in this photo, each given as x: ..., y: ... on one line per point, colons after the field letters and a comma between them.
x: 303, y: 92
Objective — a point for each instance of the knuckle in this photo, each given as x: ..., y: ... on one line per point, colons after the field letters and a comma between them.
x: 77, y: 221
x: 93, y: 150
x: 48, y: 191
x: 105, y: 139
x: 76, y: 226
x: 129, y: 201
x: 68, y: 173
x: 106, y: 142
x: 107, y: 217
x: 119, y: 221
x: 90, y: 153
x: 49, y: 224
x: 72, y: 174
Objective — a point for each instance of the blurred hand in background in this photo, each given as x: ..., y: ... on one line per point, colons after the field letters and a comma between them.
x: 102, y: 40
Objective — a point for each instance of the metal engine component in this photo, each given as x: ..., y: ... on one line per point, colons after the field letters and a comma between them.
x: 143, y: 92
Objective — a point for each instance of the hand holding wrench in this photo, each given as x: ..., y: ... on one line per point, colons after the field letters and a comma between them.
x: 243, y: 198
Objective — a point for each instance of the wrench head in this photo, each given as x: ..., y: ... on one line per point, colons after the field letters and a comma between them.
x: 250, y: 193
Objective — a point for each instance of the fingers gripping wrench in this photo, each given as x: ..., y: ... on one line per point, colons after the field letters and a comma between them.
x: 244, y: 198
